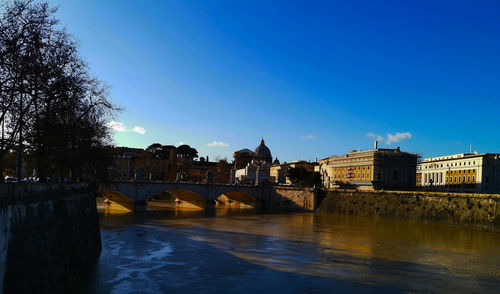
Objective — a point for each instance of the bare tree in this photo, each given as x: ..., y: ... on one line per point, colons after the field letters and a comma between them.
x: 50, y: 105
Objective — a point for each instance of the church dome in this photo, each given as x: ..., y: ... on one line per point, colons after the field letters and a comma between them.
x: 276, y: 161
x: 263, y: 153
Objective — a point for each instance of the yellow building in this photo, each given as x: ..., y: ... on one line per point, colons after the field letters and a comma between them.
x: 463, y: 172
x: 370, y: 169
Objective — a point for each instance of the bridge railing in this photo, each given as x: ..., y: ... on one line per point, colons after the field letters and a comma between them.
x: 173, y: 183
x: 27, y: 189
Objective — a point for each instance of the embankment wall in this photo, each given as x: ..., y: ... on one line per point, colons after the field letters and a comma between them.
x: 290, y: 198
x: 49, y: 237
x: 479, y: 210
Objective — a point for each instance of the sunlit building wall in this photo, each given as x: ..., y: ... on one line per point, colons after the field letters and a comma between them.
x: 370, y: 169
x: 463, y: 172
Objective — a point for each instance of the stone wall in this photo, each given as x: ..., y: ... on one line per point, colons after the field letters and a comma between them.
x: 49, y: 237
x: 470, y: 209
x: 290, y: 198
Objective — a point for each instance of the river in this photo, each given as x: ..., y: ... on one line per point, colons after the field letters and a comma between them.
x: 245, y: 251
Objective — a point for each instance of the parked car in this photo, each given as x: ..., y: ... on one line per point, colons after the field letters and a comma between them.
x: 10, y: 179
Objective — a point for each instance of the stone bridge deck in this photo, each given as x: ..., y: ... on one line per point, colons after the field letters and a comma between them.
x: 205, y: 195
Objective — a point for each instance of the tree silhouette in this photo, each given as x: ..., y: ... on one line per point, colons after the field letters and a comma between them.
x: 50, y: 105
x: 302, y: 177
x: 185, y: 151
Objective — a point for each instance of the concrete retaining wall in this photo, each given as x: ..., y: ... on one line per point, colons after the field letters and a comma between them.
x: 49, y: 237
x: 470, y: 209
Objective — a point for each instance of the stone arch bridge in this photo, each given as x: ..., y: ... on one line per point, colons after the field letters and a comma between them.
x: 206, y: 196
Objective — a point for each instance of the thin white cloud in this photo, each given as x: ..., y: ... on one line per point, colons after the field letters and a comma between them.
x: 180, y: 143
x: 217, y: 144
x: 390, y: 138
x: 116, y: 126
x: 375, y: 137
x: 308, y: 137
x: 140, y: 130
x: 398, y: 137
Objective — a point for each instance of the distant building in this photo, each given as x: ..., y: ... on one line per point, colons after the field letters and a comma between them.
x: 251, y: 167
x: 463, y: 172
x: 278, y: 172
x: 242, y: 158
x: 370, y: 169
x: 139, y: 164
x: 165, y: 163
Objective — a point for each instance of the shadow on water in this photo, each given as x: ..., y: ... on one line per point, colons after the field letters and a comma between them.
x: 248, y: 251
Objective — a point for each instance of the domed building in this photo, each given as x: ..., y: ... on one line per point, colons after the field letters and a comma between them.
x: 262, y: 153
x: 252, y: 166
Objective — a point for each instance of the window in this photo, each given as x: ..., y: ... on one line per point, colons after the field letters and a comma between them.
x: 463, y: 179
x: 473, y: 179
x: 455, y: 179
x: 468, y: 179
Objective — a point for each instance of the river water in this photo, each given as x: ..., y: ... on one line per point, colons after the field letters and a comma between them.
x: 245, y: 251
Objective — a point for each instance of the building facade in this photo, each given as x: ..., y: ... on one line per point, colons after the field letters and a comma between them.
x: 370, y: 169
x: 463, y: 172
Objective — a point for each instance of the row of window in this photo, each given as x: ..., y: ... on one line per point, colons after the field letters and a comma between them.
x: 351, y: 168
x: 438, y: 178
x: 460, y: 179
x: 451, y: 164
x: 362, y: 176
x: 460, y: 171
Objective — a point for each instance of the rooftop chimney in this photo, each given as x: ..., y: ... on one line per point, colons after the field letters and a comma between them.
x: 470, y: 149
x: 375, y: 145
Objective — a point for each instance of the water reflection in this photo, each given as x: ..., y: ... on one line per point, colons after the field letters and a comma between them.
x: 332, y: 250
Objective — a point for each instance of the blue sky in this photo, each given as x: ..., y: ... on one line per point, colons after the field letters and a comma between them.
x: 314, y: 79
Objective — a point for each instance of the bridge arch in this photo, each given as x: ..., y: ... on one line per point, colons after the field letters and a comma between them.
x: 187, y: 199
x: 236, y: 199
x: 115, y: 200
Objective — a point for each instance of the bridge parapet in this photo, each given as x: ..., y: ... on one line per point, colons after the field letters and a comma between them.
x: 31, y: 189
x: 272, y: 196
